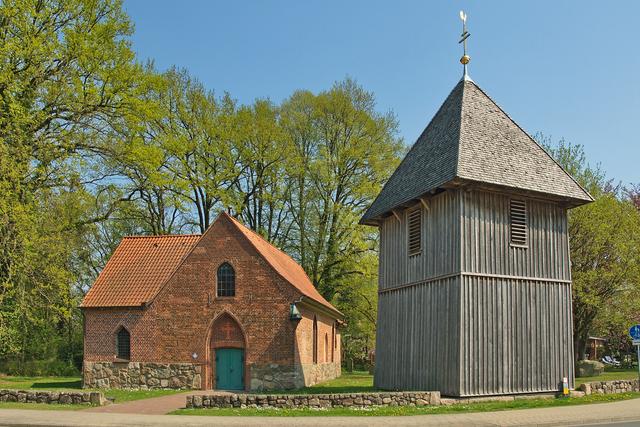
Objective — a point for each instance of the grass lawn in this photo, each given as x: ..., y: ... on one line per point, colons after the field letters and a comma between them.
x: 348, y: 382
x: 610, y: 374
x: 74, y: 384
x: 407, y: 410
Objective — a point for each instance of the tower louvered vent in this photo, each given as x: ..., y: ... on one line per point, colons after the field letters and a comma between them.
x: 518, y: 215
x: 415, y: 232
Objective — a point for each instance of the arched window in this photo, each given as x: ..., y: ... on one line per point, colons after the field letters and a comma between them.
x: 333, y: 341
x: 123, y: 344
x: 315, y: 340
x: 226, y: 281
x: 326, y: 348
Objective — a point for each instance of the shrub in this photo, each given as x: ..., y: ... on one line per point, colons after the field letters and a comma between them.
x: 39, y: 368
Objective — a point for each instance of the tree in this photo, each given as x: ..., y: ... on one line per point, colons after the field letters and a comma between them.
x: 605, y: 250
x: 67, y: 79
x: 633, y: 193
x: 263, y: 184
x: 605, y: 255
x: 342, y: 152
x: 346, y: 153
x: 95, y: 145
x: 198, y: 131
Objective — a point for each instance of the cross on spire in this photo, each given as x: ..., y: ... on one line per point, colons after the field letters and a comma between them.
x: 463, y: 39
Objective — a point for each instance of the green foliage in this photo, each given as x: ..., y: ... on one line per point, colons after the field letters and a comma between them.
x: 37, y: 368
x: 94, y: 146
x: 67, y: 78
x: 605, y: 253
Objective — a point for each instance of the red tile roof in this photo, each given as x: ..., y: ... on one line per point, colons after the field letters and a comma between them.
x: 141, y: 265
x: 137, y: 269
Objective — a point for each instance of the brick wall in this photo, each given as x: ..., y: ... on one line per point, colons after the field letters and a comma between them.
x: 178, y: 323
x: 328, y: 358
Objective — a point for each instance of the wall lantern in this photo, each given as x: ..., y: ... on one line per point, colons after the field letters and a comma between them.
x: 294, y: 313
x: 194, y: 355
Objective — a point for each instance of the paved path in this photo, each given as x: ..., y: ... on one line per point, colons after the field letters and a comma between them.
x: 152, y: 406
x: 627, y: 411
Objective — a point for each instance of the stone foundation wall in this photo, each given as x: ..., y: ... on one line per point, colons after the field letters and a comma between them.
x: 275, y: 377
x: 610, y: 387
x: 314, y: 374
x: 355, y: 400
x: 139, y: 375
x: 279, y: 377
x: 53, y: 397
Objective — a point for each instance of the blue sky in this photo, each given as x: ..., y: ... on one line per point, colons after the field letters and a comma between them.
x: 565, y: 68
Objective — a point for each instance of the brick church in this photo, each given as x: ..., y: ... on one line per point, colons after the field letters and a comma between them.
x: 222, y: 310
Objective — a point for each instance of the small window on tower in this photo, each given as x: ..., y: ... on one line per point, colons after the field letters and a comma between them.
x: 518, y: 219
x: 415, y: 232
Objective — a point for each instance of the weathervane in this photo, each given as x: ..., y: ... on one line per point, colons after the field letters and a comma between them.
x: 463, y: 39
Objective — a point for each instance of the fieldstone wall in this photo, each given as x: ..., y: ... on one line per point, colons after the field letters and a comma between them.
x: 275, y: 377
x: 319, y: 372
x: 139, y: 375
x: 355, y: 400
x: 610, y: 387
x: 280, y: 377
x: 53, y: 397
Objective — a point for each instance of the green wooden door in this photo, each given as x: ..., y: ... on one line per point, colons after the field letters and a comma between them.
x: 230, y: 369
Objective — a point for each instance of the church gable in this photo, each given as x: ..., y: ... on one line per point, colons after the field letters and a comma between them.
x: 142, y: 267
x: 222, y: 270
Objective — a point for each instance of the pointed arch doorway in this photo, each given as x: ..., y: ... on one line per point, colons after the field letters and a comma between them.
x: 227, y: 349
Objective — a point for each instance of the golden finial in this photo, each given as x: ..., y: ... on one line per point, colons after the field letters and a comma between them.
x: 463, y: 39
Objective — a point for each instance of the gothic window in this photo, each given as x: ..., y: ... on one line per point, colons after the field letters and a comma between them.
x: 226, y: 281
x: 333, y: 341
x: 415, y: 232
x: 518, y: 221
x: 326, y: 348
x: 315, y: 340
x: 123, y: 344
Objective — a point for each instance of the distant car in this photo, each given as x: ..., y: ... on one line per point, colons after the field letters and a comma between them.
x: 608, y: 360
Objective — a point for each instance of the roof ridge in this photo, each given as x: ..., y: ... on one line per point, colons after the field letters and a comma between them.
x: 255, y: 233
x: 242, y: 227
x: 528, y: 136
x: 414, y: 146
x: 158, y: 236
x: 462, y: 81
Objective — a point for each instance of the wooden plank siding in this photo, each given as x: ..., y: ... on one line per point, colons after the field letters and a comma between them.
x: 440, y: 254
x: 418, y: 349
x: 516, y: 336
x: 486, y: 244
x: 473, y: 314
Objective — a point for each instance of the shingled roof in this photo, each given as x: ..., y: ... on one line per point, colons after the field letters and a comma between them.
x: 472, y: 139
x: 141, y: 265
